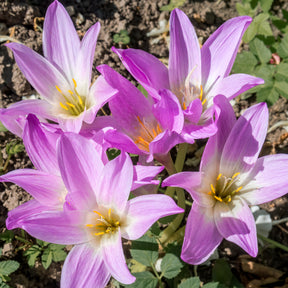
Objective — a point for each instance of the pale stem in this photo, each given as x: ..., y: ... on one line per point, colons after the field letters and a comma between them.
x: 274, y: 243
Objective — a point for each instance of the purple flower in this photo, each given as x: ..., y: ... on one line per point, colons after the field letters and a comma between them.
x: 194, y: 75
x: 62, y: 78
x: 231, y: 178
x: 138, y: 124
x: 96, y: 214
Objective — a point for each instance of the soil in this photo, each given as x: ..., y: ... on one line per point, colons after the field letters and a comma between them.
x: 138, y: 17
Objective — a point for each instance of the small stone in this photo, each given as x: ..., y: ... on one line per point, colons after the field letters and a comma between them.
x: 80, y: 19
x: 71, y: 10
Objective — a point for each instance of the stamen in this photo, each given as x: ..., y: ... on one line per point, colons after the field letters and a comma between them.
x: 184, y: 106
x: 235, y: 175
x: 201, y: 92
x: 75, y: 83
x: 212, y: 188
x: 70, y: 92
x: 219, y: 176
x: 99, y: 214
x: 158, y: 129
x: 145, y: 128
x: 70, y: 104
x: 89, y: 225
x: 63, y: 106
x: 109, y: 213
x: 99, y: 233
x: 204, y: 101
x: 218, y: 198
x: 238, y: 189
x: 59, y: 90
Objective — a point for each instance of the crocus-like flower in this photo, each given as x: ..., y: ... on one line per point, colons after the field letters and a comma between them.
x: 140, y: 126
x: 96, y: 214
x: 231, y: 178
x: 194, y: 75
x: 62, y: 77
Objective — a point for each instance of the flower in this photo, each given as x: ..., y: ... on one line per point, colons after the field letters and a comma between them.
x: 96, y: 214
x: 194, y: 75
x: 231, y: 178
x: 138, y: 125
x: 62, y: 78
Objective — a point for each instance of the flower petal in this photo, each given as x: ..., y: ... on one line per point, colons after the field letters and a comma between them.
x: 80, y: 167
x: 115, y: 182
x: 115, y: 261
x: 219, y: 51
x: 61, y: 44
x: 236, y: 223
x: 184, y: 51
x: 267, y: 181
x: 245, y: 141
x: 139, y: 63
x: 201, y: 235
x: 144, y: 211
x: 84, y: 267
x: 41, y: 74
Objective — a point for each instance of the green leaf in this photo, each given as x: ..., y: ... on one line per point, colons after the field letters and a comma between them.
x: 145, y: 250
x: 258, y: 48
x: 265, y: 5
x: 2, y: 127
x: 144, y: 280
x: 7, y: 236
x: 283, y: 47
x: 245, y: 62
x: 170, y: 266
x: 58, y: 255
x: 136, y: 267
x: 55, y: 247
x: 245, y: 9
x: 172, y: 5
x: 46, y: 258
x: 167, y: 219
x: 32, y: 253
x: 221, y: 272
x: 282, y: 88
x: 213, y: 285
x: 267, y: 94
x: 193, y: 282
x: 8, y: 267
x: 282, y: 72
x: 142, y: 90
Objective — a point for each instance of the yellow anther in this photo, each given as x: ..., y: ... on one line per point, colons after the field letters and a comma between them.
x: 184, y: 106
x: 63, y: 106
x: 70, y: 104
x: 80, y: 100
x: 70, y: 92
x: 154, y: 132
x: 238, y: 189
x: 158, y: 129
x: 99, y: 214
x: 235, y: 175
x: 219, y: 176
x: 117, y: 223
x: 204, y: 101
x: 201, y: 93
x: 99, y: 233
x: 89, y: 225
x: 75, y: 83
x: 212, y: 188
x: 109, y: 213
x: 59, y: 90
x: 218, y: 198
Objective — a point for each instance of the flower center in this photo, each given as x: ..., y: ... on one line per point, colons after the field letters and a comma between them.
x: 74, y: 104
x: 147, y: 133
x: 106, y: 223
x: 225, y: 188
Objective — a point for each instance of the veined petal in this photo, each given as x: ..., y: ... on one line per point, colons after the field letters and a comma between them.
x: 168, y: 111
x: 184, y: 51
x: 115, y: 261
x: 46, y: 188
x: 236, y: 223
x: 61, y: 44
x: 84, y: 267
x: 234, y: 85
x: 80, y: 167
x: 40, y: 145
x: 57, y: 227
x: 9, y: 116
x: 114, y: 184
x: 201, y: 235
x: 245, y: 141
x: 219, y: 51
x: 267, y: 181
x: 72, y: 124
x: 26, y: 210
x: 144, y: 211
x: 41, y: 74
x: 139, y: 63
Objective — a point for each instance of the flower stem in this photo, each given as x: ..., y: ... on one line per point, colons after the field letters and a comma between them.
x: 159, y: 277
x: 274, y: 243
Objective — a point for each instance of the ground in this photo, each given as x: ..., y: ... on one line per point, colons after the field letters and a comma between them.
x: 17, y: 19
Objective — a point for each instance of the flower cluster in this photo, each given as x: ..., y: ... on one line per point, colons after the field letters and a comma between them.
x: 81, y: 198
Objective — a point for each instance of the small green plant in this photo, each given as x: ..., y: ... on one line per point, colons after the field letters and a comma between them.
x: 172, y: 5
x: 122, y: 37
x: 47, y: 252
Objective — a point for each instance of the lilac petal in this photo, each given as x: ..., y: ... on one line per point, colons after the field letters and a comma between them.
x: 144, y: 211
x: 65, y: 228
x: 201, y: 235
x: 267, y: 181
x: 169, y: 112
x: 26, y: 210
x: 114, y: 184
x: 73, y: 124
x: 139, y: 63
x: 9, y: 116
x: 184, y: 51
x: 61, y: 44
x: 225, y: 120
x: 236, y: 223
x: 144, y: 175
x: 84, y: 267
x: 40, y: 145
x: 80, y: 167
x: 41, y: 74
x: 46, y: 188
x: 193, y: 111
x: 245, y: 141
x: 219, y: 51
x: 234, y: 85
x: 85, y: 59
x: 115, y: 261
